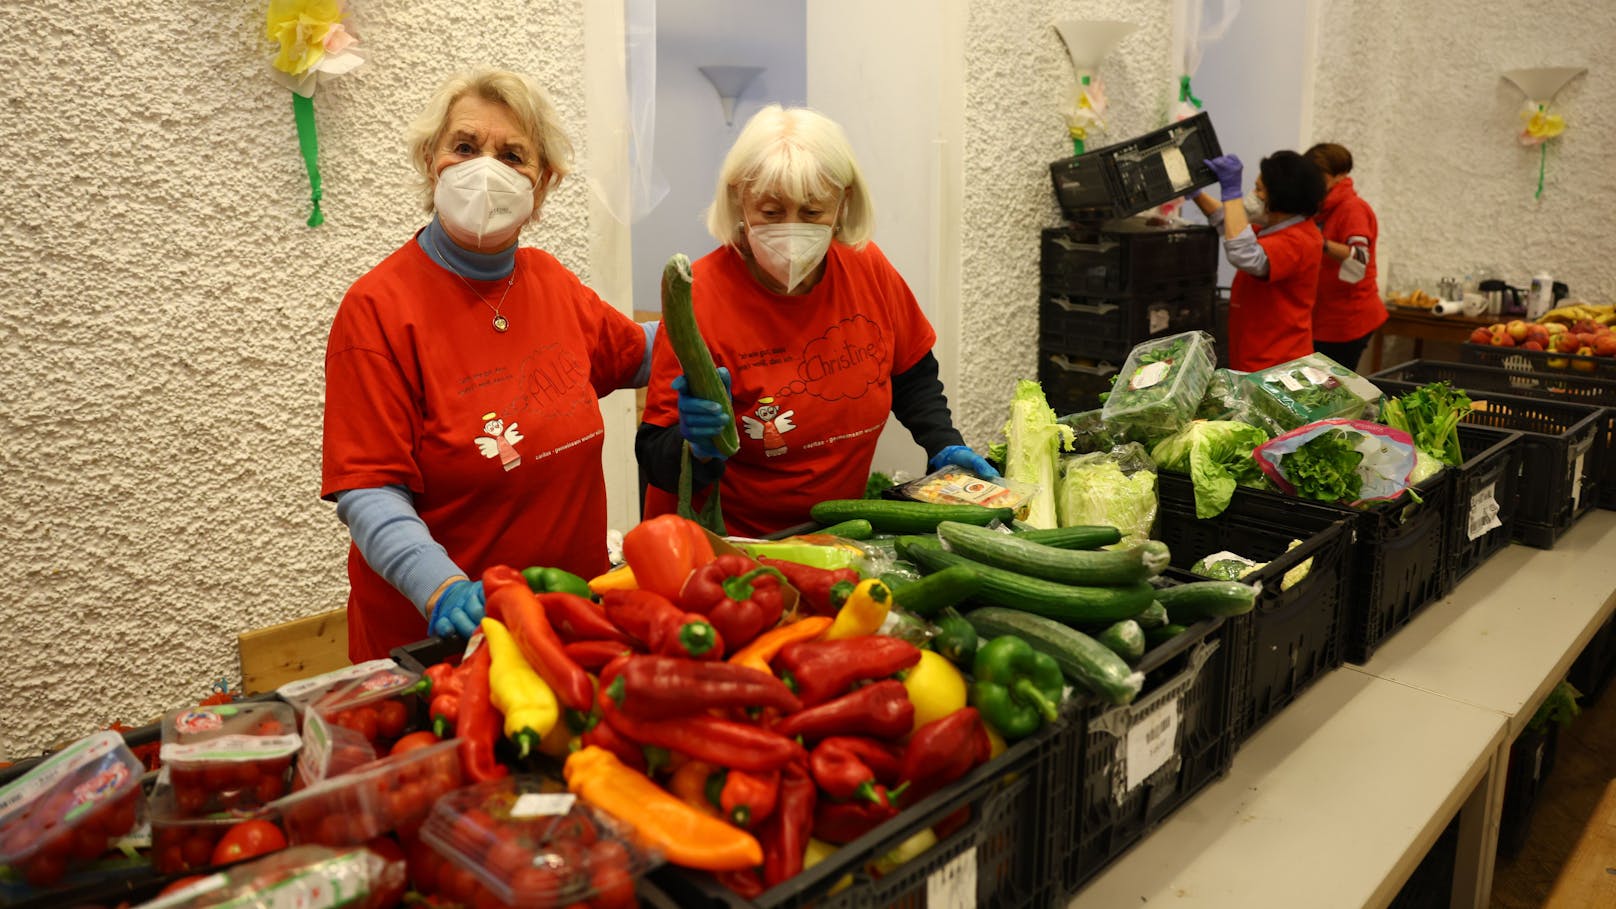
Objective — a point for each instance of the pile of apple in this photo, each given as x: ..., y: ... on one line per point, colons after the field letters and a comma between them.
x: 1584, y: 338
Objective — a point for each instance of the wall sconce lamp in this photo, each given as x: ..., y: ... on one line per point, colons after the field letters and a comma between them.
x: 729, y: 82
x: 1540, y: 84
x: 1087, y: 42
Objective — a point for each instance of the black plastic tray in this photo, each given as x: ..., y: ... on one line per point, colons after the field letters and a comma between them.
x: 1126, y: 178
x: 1539, y: 361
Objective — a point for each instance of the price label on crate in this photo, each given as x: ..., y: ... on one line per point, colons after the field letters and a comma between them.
x: 1178, y: 170
x: 1160, y: 318
x: 1152, y: 742
x: 1483, y: 513
x: 1576, y: 483
x: 953, y: 886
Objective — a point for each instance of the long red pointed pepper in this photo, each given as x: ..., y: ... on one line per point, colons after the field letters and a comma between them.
x: 661, y: 627
x: 657, y: 687
x: 479, y: 724
x: 595, y: 654
x: 824, y: 669
x: 848, y: 767
x: 576, y: 619
x: 815, y: 584
x: 944, y: 750
x: 881, y: 709
x: 701, y: 736
x: 511, y: 601
x: 785, y: 834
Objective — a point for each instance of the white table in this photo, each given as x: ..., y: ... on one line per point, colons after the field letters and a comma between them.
x: 1336, y: 800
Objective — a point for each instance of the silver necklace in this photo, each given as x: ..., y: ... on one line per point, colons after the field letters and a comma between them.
x: 500, y: 322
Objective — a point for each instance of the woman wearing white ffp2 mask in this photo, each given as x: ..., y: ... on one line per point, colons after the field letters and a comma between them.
x: 821, y: 336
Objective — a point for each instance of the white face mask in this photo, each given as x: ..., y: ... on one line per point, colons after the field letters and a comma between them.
x: 483, y: 198
x: 789, y: 252
x: 1256, y: 209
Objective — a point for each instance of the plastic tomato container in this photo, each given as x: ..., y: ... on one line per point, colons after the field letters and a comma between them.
x: 185, y: 842
x: 70, y: 807
x: 379, y: 699
x: 328, y: 751
x: 228, y: 756
x: 514, y: 843
x: 391, y: 794
x: 357, y: 878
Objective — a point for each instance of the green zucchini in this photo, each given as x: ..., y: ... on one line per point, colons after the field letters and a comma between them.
x: 1154, y: 616
x: 1062, y: 602
x: 679, y: 321
x: 1188, y: 603
x: 849, y: 530
x: 1105, y: 568
x: 1155, y: 637
x: 1082, y: 659
x: 1083, y: 536
x: 904, y: 517
x: 1125, y: 639
x: 955, y: 639
x: 939, y: 590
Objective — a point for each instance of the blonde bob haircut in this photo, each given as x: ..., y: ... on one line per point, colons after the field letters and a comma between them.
x: 529, y: 105
x: 799, y: 155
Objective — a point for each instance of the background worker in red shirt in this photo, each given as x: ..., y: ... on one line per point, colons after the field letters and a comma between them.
x: 817, y: 332
x: 1271, y: 302
x: 1349, y: 309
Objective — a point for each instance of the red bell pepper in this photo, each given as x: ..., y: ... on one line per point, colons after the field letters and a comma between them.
x: 785, y: 834
x: 444, y: 707
x: 741, y: 599
x: 661, y: 627
x: 746, y: 799
x: 847, y: 767
x: 815, y: 584
x: 843, y: 822
x: 822, y: 670
x: 595, y: 654
x: 576, y: 619
x: 700, y: 736
x: 657, y: 687
x: 944, y: 750
x: 480, y: 724
x: 880, y: 709
x: 511, y: 601
x: 664, y: 551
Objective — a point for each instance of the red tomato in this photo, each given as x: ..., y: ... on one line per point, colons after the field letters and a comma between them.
x: 248, y: 839
x: 389, y: 890
x: 168, y: 859
x: 415, y: 741
x: 391, y: 715
x: 197, y: 850
x: 119, y: 818
x: 270, y: 788
x: 45, y: 869
x: 88, y: 841
x: 179, y: 884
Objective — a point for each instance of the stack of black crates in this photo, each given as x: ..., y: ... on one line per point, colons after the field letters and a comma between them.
x: 1108, y: 284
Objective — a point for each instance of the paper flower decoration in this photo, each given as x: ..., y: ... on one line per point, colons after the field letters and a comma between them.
x: 314, y: 45
x: 1541, y: 126
x: 1086, y: 113
x: 1540, y: 85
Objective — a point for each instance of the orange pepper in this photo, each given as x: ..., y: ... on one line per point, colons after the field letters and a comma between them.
x: 684, y: 835
x: 689, y: 783
x: 619, y: 578
x: 763, y: 648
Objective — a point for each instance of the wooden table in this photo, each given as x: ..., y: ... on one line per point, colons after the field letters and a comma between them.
x: 1422, y: 326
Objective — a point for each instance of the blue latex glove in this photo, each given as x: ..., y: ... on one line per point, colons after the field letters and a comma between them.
x: 701, y: 420
x: 962, y: 456
x: 459, y: 610
x: 1229, y: 172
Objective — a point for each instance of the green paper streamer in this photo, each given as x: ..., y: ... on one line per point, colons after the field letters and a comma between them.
x: 1542, y: 162
x: 1184, y: 93
x: 308, y: 142
x: 1077, y: 146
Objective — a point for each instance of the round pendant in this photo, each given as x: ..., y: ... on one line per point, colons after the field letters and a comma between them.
x: 500, y: 324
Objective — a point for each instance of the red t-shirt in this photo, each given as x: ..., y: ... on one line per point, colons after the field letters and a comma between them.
x: 498, y: 436
x: 811, y: 380
x: 1271, y: 318
x: 1347, y: 312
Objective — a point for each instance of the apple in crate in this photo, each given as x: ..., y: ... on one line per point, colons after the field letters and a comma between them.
x: 1481, y: 336
x: 1516, y: 329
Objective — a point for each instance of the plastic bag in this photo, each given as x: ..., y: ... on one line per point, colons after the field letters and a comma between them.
x: 1115, y: 488
x: 1386, y: 463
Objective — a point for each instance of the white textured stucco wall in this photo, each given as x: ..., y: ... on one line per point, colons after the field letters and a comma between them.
x: 1018, y: 80
x: 1415, y: 90
x: 164, y: 319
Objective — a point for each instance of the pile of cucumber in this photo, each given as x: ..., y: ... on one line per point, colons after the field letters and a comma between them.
x: 1094, y: 610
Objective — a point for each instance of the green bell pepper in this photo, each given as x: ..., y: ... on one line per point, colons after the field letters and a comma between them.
x: 555, y: 580
x: 1017, y: 689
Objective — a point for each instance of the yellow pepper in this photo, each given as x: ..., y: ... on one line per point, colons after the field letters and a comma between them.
x: 528, y: 704
x: 866, y: 608
x: 935, y: 687
x: 619, y: 578
x: 818, y: 851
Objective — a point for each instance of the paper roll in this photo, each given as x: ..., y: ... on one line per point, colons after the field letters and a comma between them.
x: 1447, y: 308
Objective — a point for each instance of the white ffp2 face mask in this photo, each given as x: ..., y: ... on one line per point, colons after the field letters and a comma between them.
x: 790, y: 252
x: 1256, y: 210
x: 483, y: 198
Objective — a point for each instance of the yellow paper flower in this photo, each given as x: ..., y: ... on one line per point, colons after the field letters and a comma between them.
x: 1543, y: 125
x: 301, y: 27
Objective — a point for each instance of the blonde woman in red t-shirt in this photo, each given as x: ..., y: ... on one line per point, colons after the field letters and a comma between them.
x: 462, y: 426
x: 1348, y: 310
x: 818, y: 333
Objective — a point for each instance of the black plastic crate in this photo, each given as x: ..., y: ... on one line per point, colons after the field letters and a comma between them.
x: 1074, y: 384
x: 1122, y: 179
x: 418, y: 656
x: 1107, y: 328
x: 1099, y: 805
x: 1127, y: 258
x: 1594, y: 667
x: 1557, y: 385
x: 1531, y: 758
x: 1294, y: 635
x: 1540, y: 361
x: 1430, y: 886
x: 1486, y: 485
x: 1560, y: 457
x: 998, y: 847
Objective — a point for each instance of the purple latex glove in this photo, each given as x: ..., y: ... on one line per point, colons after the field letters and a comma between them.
x: 1229, y: 172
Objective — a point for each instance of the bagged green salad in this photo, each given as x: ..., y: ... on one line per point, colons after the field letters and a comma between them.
x: 1160, y: 386
x: 1115, y: 488
x: 1309, y: 389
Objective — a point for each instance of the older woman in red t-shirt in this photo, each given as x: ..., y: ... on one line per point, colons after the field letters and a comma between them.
x: 1348, y: 310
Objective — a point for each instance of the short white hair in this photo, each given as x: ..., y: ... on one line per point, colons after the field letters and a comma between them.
x: 797, y: 154
x: 528, y: 103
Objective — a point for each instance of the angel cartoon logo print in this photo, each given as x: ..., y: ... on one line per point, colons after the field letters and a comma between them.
x: 770, y: 425
x: 500, y: 441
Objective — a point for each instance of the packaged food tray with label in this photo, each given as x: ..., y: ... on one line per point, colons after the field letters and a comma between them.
x: 390, y: 794
x: 1110, y: 328
x: 1160, y: 385
x: 1518, y: 359
x: 183, y: 841
x: 1557, y: 385
x: 1561, y: 457
x: 990, y: 825
x: 1309, y: 389
x: 1126, y: 178
x: 1128, y: 259
x: 1073, y: 384
x: 1296, y: 633
x: 378, y: 699
x: 1486, y: 491
x: 229, y: 756
x: 1118, y: 772
x: 68, y: 810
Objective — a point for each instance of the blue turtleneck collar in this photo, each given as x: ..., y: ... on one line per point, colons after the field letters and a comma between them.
x: 435, y: 242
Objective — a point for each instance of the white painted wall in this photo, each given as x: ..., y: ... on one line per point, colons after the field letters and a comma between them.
x: 691, y: 136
